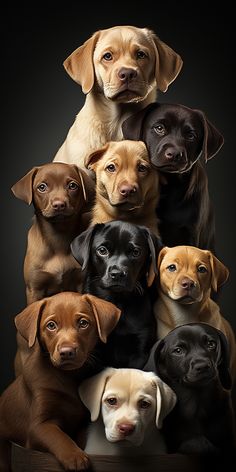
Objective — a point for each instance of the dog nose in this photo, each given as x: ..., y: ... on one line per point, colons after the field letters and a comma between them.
x: 58, y: 205
x: 187, y: 283
x: 117, y: 273
x: 126, y: 428
x: 67, y: 352
x: 173, y: 154
x: 200, y: 365
x: 126, y: 189
x: 125, y: 74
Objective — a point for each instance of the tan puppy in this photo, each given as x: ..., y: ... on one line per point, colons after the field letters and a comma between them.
x: 133, y: 405
x: 127, y: 185
x: 120, y: 70
x: 187, y: 275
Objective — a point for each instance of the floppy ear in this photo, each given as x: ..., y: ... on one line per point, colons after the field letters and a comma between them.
x: 79, y: 65
x: 23, y: 189
x: 166, y: 400
x: 213, y: 139
x: 154, y: 244
x: 161, y: 256
x: 224, y: 362
x: 91, y: 391
x: 151, y: 364
x: 94, y: 157
x: 219, y: 272
x: 106, y: 314
x: 168, y: 64
x: 27, y: 321
x: 132, y: 128
x: 87, y: 183
x: 81, y: 245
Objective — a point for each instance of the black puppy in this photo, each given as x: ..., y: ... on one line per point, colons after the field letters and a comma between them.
x: 193, y: 360
x: 119, y: 261
x: 179, y: 141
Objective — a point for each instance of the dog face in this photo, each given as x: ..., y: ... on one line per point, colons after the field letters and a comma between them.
x: 194, y: 355
x: 125, y: 178
x: 117, y: 255
x: 188, y: 273
x: 68, y: 325
x: 130, y: 400
x: 125, y: 63
x: 57, y: 190
x: 176, y: 136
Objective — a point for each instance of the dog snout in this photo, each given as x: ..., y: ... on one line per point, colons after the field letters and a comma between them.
x: 127, y: 189
x: 58, y: 204
x: 200, y: 365
x: 117, y: 273
x: 175, y: 155
x: 126, y: 74
x: 187, y: 283
x: 126, y: 429
x: 67, y: 352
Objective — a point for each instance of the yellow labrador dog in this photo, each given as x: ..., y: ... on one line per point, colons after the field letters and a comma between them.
x: 127, y: 408
x: 187, y: 275
x: 127, y: 186
x: 120, y: 70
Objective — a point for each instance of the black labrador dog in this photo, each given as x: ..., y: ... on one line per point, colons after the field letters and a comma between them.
x: 179, y: 141
x: 193, y: 360
x: 119, y: 261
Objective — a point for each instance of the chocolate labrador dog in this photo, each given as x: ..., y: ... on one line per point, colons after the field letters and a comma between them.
x: 119, y: 261
x: 193, y: 360
x: 180, y: 140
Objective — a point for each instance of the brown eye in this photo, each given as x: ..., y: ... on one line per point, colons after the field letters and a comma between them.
x: 111, y: 168
x: 202, y: 269
x: 141, y: 54
x: 83, y: 323
x: 73, y: 185
x: 51, y: 325
x: 107, y: 56
x: 42, y: 187
x: 160, y: 129
x: 144, y: 404
x: 111, y: 401
x: 142, y: 168
x: 171, y: 268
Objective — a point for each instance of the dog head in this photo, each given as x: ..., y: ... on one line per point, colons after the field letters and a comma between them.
x: 57, y: 190
x: 187, y: 273
x: 118, y: 255
x: 125, y: 178
x: 176, y: 136
x: 68, y: 326
x: 125, y: 63
x: 130, y: 401
x: 192, y: 355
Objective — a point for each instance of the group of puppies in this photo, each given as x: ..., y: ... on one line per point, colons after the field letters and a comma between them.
x: 119, y: 270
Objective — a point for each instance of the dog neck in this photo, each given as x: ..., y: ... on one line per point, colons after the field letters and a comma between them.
x: 55, y: 232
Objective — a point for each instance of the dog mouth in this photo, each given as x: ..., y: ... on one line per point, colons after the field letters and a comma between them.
x: 58, y: 216
x: 199, y: 379
x: 127, y: 205
x: 126, y: 94
x: 187, y: 299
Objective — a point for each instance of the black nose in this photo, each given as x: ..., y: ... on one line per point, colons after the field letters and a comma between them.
x: 200, y: 366
x: 117, y: 274
x: 67, y: 352
x: 126, y: 74
x: 58, y: 205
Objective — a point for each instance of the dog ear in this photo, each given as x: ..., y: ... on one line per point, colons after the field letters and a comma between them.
x: 168, y: 63
x: 27, y: 322
x: 132, y: 128
x: 87, y: 183
x: 79, y: 65
x: 23, y: 189
x: 91, y: 391
x: 219, y: 271
x: 106, y: 314
x: 151, y: 364
x: 224, y: 362
x: 80, y: 246
x: 213, y: 139
x: 94, y: 157
x: 161, y: 256
x: 154, y: 244
x: 166, y: 400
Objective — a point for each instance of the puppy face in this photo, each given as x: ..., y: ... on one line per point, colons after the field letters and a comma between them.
x: 68, y: 325
x: 56, y: 189
x: 125, y: 63
x: 125, y: 178
x: 131, y: 401
x: 194, y: 355
x: 176, y: 136
x: 117, y: 255
x: 188, y: 273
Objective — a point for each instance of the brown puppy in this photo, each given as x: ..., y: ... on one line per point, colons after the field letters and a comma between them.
x: 60, y: 193
x: 120, y: 69
x: 187, y: 275
x: 127, y: 186
x: 41, y: 409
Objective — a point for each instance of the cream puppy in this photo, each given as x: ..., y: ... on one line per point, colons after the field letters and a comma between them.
x: 127, y: 408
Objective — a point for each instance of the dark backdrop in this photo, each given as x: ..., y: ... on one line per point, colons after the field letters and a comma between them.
x: 40, y: 102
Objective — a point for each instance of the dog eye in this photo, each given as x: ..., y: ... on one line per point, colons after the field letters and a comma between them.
x: 73, y: 185
x: 83, y: 323
x: 107, y: 56
x: 211, y: 344
x: 42, y: 187
x: 142, y: 168
x: 178, y: 350
x: 51, y: 325
x: 202, y: 269
x: 144, y: 404
x: 111, y: 401
x: 102, y: 251
x: 190, y: 135
x: 111, y: 168
x: 141, y: 54
x: 160, y: 129
x: 136, y: 252
x: 171, y: 268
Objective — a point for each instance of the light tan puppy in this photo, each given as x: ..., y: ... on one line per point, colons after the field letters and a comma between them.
x: 127, y: 408
x: 120, y: 70
x: 187, y: 276
x: 127, y: 185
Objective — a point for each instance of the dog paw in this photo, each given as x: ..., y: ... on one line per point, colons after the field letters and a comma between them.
x: 75, y: 461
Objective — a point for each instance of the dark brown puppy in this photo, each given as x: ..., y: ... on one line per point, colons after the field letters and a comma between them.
x: 193, y: 360
x: 180, y: 141
x: 41, y: 409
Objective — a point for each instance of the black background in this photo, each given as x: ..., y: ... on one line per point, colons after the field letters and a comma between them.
x: 40, y: 103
